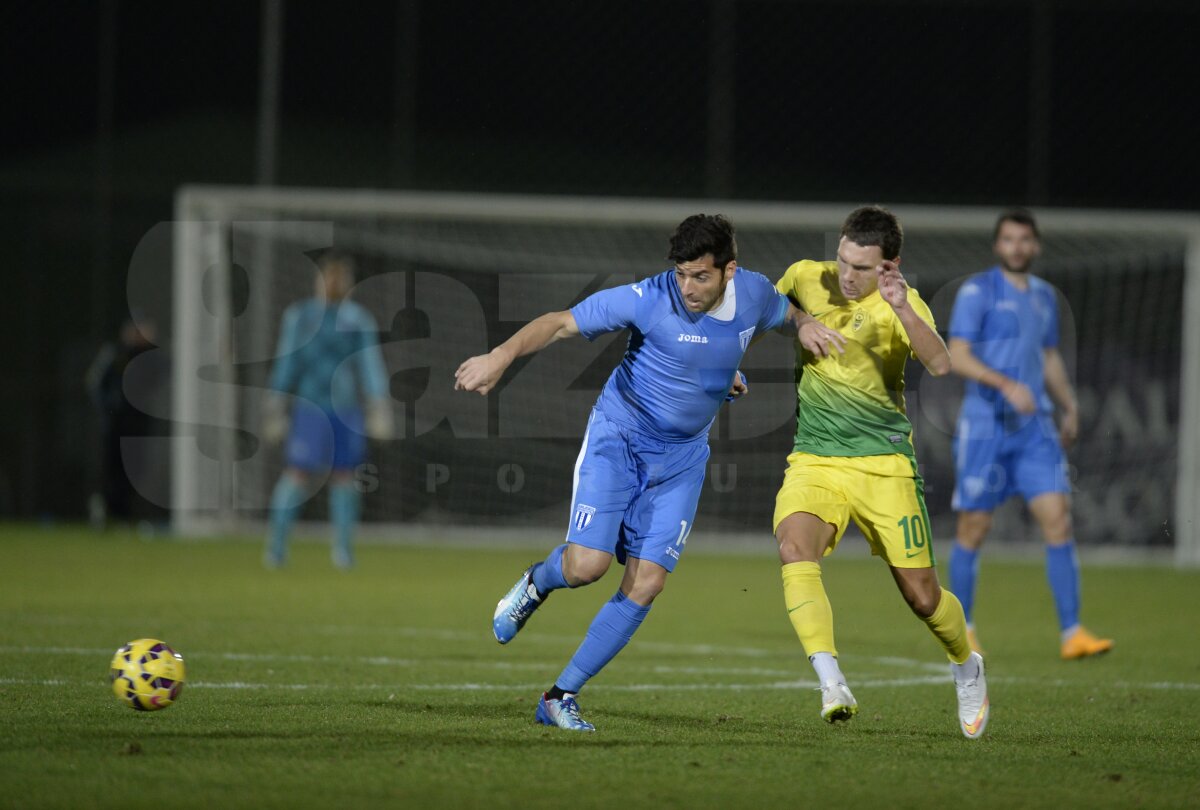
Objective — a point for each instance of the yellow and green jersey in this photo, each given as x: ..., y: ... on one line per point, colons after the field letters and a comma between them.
x: 851, y: 404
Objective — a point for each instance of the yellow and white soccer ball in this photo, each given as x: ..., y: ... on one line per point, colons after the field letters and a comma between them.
x: 147, y: 675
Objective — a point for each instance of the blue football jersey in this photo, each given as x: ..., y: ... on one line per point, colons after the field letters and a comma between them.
x: 326, y: 352
x: 678, y: 364
x: 1008, y: 329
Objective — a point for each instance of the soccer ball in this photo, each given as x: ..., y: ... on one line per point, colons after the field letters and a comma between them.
x: 147, y: 675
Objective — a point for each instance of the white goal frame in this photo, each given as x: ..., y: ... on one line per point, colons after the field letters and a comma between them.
x: 198, y: 208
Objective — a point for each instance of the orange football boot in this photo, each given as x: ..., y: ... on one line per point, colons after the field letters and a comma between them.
x: 1082, y: 644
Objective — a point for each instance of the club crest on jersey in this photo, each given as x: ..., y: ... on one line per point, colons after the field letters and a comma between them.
x: 860, y: 318
x: 685, y: 338
x: 744, y: 337
x: 583, y: 516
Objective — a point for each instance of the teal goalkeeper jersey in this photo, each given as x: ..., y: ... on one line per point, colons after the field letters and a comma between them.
x: 327, y: 353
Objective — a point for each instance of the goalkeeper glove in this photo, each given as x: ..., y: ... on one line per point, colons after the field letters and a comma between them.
x: 379, y: 420
x: 274, y: 419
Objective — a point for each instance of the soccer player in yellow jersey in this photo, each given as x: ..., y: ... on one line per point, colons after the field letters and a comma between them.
x: 853, y: 456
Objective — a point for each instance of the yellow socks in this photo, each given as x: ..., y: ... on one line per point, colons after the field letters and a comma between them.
x: 811, y: 615
x: 949, y: 625
x: 808, y: 607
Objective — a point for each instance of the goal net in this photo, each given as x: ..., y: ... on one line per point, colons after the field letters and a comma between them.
x: 447, y: 276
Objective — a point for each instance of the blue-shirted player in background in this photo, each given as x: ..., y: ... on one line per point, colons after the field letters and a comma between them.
x: 1004, y: 341
x: 328, y: 350
x: 639, y: 473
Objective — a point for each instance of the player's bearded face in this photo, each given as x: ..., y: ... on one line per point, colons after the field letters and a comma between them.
x: 857, y: 276
x: 701, y: 283
x: 1016, y: 247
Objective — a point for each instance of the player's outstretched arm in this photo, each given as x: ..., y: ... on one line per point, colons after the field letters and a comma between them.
x: 967, y: 365
x: 926, y: 344
x: 813, y: 335
x: 482, y: 372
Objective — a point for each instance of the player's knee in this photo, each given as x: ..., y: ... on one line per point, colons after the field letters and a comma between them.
x: 645, y: 588
x: 584, y: 570
x: 644, y: 593
x: 973, y: 527
x: 796, y: 548
x: 1058, y: 529
x: 923, y: 601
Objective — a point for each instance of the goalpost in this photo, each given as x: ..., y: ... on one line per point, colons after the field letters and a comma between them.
x: 450, y: 275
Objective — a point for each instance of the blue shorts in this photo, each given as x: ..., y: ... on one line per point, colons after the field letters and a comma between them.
x: 635, y: 496
x: 320, y: 440
x: 991, y: 464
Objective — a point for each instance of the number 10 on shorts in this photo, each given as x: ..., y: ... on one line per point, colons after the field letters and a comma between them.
x: 916, y: 533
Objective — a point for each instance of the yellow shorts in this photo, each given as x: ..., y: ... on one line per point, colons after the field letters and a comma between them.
x: 882, y: 494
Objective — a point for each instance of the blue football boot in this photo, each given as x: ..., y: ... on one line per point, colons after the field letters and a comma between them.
x: 562, y: 713
x: 515, y: 608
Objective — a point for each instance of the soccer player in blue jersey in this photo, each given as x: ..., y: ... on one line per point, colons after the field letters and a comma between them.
x: 1004, y: 341
x: 639, y: 473
x: 328, y: 350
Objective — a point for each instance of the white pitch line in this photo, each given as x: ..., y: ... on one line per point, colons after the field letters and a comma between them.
x: 938, y: 672
x: 527, y: 637
x: 634, y: 687
x: 381, y: 660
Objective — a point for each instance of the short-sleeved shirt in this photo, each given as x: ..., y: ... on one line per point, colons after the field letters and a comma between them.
x: 851, y: 404
x: 1008, y: 329
x: 678, y: 364
x: 326, y: 352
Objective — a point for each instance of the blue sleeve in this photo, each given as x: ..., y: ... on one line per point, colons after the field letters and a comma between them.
x: 774, y: 304
x: 371, y: 369
x: 283, y: 373
x: 970, y: 305
x: 1050, y: 334
x: 610, y: 310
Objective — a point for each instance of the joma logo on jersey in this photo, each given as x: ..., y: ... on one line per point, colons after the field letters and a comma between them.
x: 692, y: 338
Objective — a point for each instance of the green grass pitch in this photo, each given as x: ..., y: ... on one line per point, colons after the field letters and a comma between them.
x: 383, y: 687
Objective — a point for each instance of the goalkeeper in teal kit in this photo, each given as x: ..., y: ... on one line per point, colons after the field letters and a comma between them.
x: 329, y: 361
x: 639, y: 473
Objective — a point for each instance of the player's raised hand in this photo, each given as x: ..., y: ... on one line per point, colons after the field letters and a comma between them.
x: 819, y: 339
x: 481, y: 372
x: 892, y: 286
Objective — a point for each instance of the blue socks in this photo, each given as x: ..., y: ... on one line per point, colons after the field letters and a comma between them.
x: 964, y: 569
x: 286, y: 501
x: 611, y: 630
x: 344, y: 505
x: 548, y: 575
x: 1062, y: 572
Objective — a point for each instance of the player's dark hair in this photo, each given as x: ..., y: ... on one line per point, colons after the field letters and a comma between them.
x: 873, y: 226
x: 1021, y: 216
x: 701, y: 234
